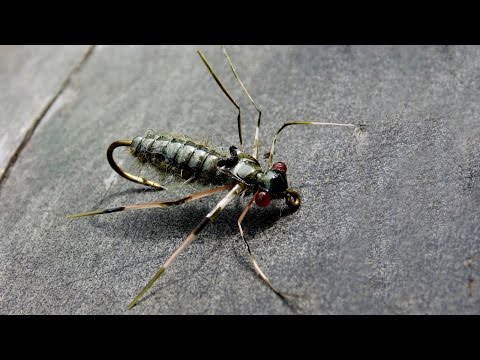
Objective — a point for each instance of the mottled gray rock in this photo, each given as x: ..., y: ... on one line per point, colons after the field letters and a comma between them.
x: 390, y: 217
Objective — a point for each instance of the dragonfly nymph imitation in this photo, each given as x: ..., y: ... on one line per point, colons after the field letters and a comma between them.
x: 235, y: 171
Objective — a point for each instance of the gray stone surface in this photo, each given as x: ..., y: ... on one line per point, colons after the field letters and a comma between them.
x: 390, y: 218
x: 30, y: 77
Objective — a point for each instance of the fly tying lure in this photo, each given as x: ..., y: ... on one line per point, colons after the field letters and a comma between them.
x: 235, y: 171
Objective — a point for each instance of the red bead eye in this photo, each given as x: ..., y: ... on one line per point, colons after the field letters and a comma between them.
x: 262, y: 198
x: 280, y: 166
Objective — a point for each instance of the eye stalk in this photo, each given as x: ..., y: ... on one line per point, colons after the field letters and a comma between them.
x: 280, y: 166
x: 262, y: 198
x: 292, y: 198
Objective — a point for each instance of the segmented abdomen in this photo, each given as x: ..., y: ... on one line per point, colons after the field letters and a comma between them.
x: 182, y: 155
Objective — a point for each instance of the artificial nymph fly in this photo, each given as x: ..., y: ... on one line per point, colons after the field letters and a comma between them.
x: 235, y: 171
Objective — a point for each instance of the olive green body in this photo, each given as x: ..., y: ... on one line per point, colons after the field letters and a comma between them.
x: 192, y: 159
x: 185, y: 157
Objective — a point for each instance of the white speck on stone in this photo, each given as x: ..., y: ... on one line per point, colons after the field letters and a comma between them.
x: 112, y: 179
x: 3, y: 149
